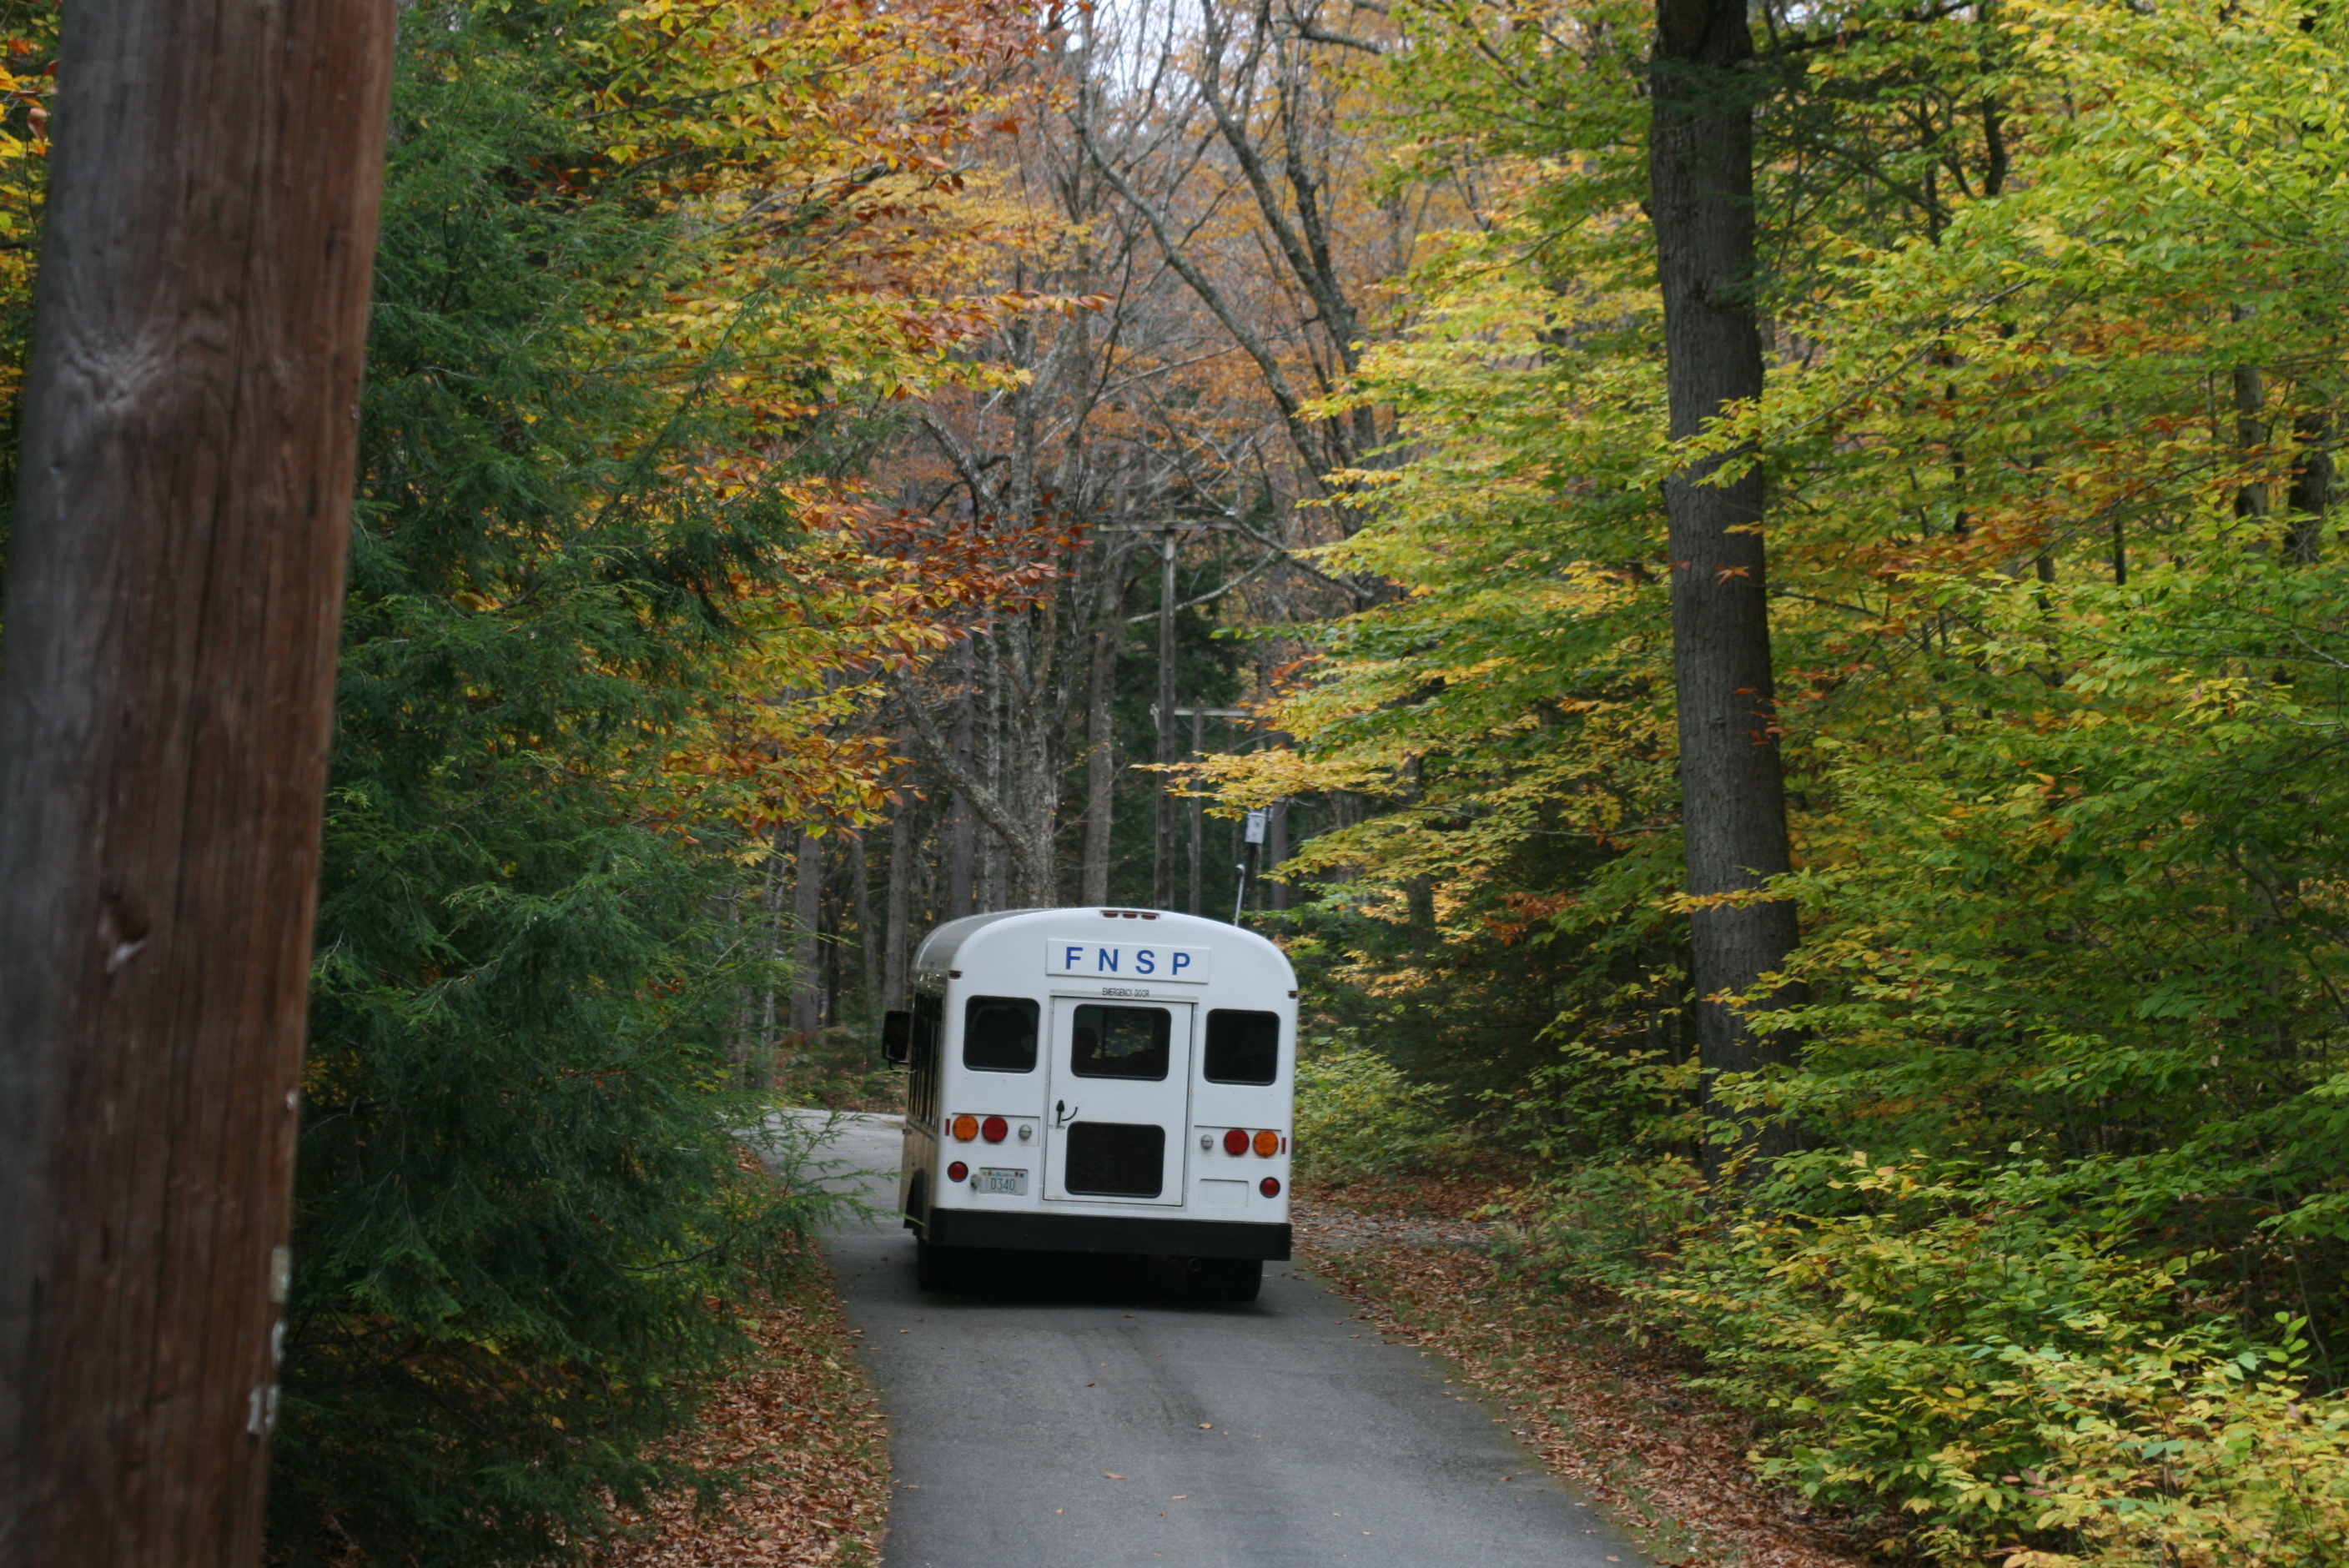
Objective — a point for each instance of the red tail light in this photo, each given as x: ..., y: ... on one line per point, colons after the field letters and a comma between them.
x: 1235, y: 1141
x: 958, y: 1171
x: 993, y: 1129
x: 1270, y: 1186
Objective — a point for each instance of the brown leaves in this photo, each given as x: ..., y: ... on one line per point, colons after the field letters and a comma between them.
x: 806, y: 1431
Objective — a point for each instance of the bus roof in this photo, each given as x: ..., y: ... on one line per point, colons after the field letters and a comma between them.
x: 937, y: 952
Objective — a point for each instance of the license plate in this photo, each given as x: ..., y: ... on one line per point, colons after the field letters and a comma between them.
x: 1012, y: 1181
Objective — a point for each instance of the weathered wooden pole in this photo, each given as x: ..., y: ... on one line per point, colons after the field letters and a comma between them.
x: 166, y: 691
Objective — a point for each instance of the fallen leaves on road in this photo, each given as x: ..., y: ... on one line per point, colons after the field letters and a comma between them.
x: 804, y: 1430
x: 1623, y: 1426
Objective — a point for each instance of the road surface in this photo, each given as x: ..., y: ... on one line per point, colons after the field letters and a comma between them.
x: 1077, y: 1415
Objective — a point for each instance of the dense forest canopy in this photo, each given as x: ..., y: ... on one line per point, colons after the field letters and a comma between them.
x: 828, y: 467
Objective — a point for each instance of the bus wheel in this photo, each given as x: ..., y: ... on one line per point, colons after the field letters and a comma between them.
x: 937, y: 1268
x: 1227, y: 1279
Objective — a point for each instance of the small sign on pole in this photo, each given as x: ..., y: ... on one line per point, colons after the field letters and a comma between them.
x: 1255, y: 827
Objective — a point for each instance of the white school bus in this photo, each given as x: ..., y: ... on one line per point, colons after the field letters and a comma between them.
x: 1098, y: 1080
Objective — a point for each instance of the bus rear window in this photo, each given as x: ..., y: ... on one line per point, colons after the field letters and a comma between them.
x: 998, y: 1034
x: 1242, y: 1047
x: 1118, y: 1042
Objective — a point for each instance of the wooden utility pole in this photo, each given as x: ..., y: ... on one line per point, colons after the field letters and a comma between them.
x: 166, y: 692
x: 1732, y: 791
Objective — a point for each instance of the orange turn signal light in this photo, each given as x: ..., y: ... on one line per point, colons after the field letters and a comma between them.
x: 966, y: 1128
x: 1268, y: 1143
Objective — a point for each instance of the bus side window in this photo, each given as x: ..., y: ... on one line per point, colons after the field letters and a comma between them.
x: 922, y: 1092
x: 1242, y: 1047
x: 998, y: 1034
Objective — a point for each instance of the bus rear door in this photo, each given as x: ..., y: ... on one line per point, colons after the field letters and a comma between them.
x: 1119, y: 1101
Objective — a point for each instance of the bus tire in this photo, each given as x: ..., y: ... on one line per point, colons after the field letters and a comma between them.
x: 937, y: 1268
x: 1227, y: 1279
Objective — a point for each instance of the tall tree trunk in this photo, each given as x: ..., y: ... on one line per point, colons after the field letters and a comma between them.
x: 807, y: 913
x: 1276, y: 850
x: 1195, y: 807
x: 869, y: 938
x: 895, y: 953
x: 1162, y: 876
x: 1100, y: 760
x: 165, y: 712
x: 772, y: 951
x: 962, y: 822
x: 1732, y: 790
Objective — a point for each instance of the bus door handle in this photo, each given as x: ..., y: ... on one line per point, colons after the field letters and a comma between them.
x: 1061, y: 1112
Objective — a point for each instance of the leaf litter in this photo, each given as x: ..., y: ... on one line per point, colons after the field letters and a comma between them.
x: 795, y: 1448
x: 1618, y: 1423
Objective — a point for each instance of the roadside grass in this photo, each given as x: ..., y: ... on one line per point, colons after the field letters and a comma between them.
x: 794, y: 1448
x: 1614, y: 1418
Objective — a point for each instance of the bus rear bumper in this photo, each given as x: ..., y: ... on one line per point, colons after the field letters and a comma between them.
x: 1107, y: 1233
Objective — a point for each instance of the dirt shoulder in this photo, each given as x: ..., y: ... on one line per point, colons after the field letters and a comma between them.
x: 1618, y: 1421
x: 802, y: 1427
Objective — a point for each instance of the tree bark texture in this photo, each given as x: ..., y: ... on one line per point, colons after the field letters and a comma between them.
x: 1276, y: 849
x: 962, y: 824
x: 1733, y: 806
x: 894, y: 953
x: 1100, y: 763
x: 165, y: 714
x: 807, y: 915
x: 1161, y: 873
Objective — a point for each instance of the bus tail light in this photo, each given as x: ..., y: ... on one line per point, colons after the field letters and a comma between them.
x: 1267, y: 1144
x: 1270, y: 1186
x: 966, y: 1128
x: 1235, y: 1141
x: 994, y: 1128
x: 958, y: 1171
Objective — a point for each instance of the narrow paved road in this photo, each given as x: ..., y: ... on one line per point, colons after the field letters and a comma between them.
x: 1073, y: 1415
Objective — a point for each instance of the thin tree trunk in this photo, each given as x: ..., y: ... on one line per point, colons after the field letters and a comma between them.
x: 1276, y: 850
x: 962, y: 824
x: 807, y: 914
x: 773, y: 950
x: 1732, y: 791
x: 868, y: 939
x: 174, y: 602
x: 1100, y: 760
x: 1195, y: 808
x: 895, y: 953
x: 1162, y: 879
